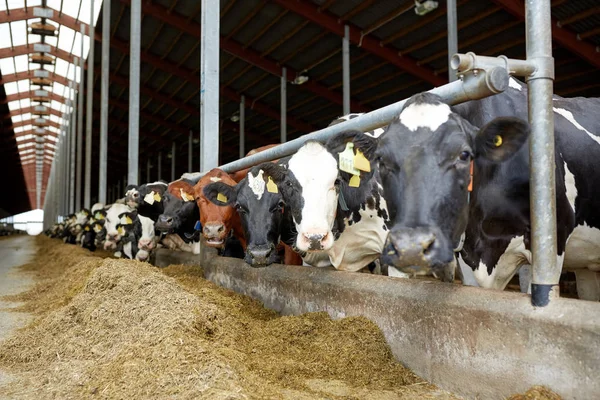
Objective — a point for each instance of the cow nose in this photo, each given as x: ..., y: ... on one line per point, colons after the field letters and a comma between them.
x: 213, y: 230
x: 259, y: 255
x: 413, y: 250
x: 316, y: 240
x: 166, y: 220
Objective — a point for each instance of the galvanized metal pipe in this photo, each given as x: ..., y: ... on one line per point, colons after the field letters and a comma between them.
x: 452, y: 36
x: 73, y: 132
x: 471, y: 61
x: 89, y: 117
x: 173, y: 149
x: 472, y: 87
x: 283, y: 133
x: 104, y: 86
x: 346, y: 70
x: 190, y: 151
x: 78, y: 188
x: 546, y: 272
x: 134, y: 91
x: 243, y: 127
x: 209, y: 84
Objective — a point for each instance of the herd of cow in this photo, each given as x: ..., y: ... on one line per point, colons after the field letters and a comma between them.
x: 439, y: 188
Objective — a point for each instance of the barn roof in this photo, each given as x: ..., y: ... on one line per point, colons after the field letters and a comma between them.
x: 394, y: 54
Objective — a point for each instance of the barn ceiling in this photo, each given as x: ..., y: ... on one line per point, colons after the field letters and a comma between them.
x: 394, y: 54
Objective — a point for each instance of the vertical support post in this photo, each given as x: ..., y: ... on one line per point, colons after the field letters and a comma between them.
x: 73, y: 134
x: 173, y: 148
x: 452, y: 36
x: 89, y: 114
x: 134, y: 91
x: 243, y: 127
x: 209, y: 85
x: 346, y: 70
x: 546, y: 272
x: 80, y: 126
x: 104, y: 85
x: 190, y: 151
x: 159, y: 166
x: 283, y: 105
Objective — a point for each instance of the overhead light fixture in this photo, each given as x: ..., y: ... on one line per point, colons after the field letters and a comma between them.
x: 425, y: 7
x: 235, y: 117
x: 300, y: 79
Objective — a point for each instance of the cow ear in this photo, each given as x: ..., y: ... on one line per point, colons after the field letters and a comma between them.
x: 220, y: 194
x: 501, y: 138
x: 277, y: 172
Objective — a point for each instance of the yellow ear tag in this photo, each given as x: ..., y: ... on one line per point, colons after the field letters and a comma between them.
x: 99, y: 216
x: 126, y: 220
x: 157, y: 197
x: 271, y: 186
x: 361, y: 162
x: 184, y: 196
x: 222, y: 198
x: 497, y: 140
x: 120, y: 231
x: 87, y: 228
x: 354, y: 181
x: 347, y: 160
x: 97, y: 228
x: 149, y: 198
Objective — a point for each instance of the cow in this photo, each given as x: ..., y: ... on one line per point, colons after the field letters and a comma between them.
x: 88, y: 239
x: 147, y: 199
x: 180, y: 218
x: 110, y: 225
x: 496, y: 219
x: 266, y: 220
x: 219, y: 224
x: 137, y: 235
x: 338, y: 210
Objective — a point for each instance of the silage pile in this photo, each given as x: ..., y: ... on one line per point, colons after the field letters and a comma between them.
x: 119, y: 329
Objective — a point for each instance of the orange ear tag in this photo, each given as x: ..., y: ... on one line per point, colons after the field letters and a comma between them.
x: 470, y: 189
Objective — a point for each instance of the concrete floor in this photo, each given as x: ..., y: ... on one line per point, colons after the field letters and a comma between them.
x: 14, y: 251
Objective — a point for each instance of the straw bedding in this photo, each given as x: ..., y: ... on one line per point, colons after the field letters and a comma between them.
x: 119, y: 329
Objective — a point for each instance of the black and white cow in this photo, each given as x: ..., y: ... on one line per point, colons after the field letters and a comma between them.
x: 498, y: 232
x: 137, y: 236
x: 264, y: 216
x: 110, y: 224
x: 340, y: 218
x: 180, y: 217
x: 147, y: 198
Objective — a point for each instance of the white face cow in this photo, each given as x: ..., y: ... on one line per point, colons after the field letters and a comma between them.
x: 148, y: 240
x: 111, y: 221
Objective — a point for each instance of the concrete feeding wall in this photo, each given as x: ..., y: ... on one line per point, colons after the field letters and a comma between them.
x: 481, y: 344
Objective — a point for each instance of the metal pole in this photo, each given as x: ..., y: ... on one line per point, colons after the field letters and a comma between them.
x: 80, y: 125
x: 134, y: 91
x: 346, y: 69
x: 73, y: 131
x: 159, y: 163
x: 283, y: 105
x: 89, y: 117
x: 190, y: 152
x: 243, y: 127
x: 452, y: 37
x: 104, y: 85
x: 209, y: 85
x: 173, y: 148
x: 546, y: 272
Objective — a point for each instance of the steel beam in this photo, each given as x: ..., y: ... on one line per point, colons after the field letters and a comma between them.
x: 134, y: 91
x: 89, y: 117
x: 346, y: 70
x: 73, y: 134
x: 283, y: 128
x: 452, y: 36
x: 79, y: 130
x: 209, y: 85
x: 104, y: 85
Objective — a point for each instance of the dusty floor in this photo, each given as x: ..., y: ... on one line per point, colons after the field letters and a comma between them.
x: 117, y: 329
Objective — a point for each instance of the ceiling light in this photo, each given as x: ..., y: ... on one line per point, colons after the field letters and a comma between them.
x: 300, y: 79
x: 425, y: 7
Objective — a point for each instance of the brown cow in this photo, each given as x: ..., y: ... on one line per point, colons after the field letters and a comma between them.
x: 217, y: 222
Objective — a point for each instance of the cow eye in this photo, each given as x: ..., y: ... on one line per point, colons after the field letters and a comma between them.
x: 464, y: 156
x: 281, y: 204
x: 240, y: 209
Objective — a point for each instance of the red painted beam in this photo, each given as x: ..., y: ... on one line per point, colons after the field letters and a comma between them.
x: 311, y: 12
x: 32, y: 132
x: 30, y: 94
x: 29, y: 74
x: 28, y: 49
x: 32, y: 122
x: 29, y: 110
x: 565, y: 37
x: 252, y: 57
x: 21, y: 14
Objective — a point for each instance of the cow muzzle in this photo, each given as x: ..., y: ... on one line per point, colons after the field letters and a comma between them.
x: 214, y: 233
x: 164, y: 224
x: 419, y: 251
x: 315, y: 241
x: 260, y: 256
x: 146, y: 244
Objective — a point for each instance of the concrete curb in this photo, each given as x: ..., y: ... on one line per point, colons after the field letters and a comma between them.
x: 477, y: 343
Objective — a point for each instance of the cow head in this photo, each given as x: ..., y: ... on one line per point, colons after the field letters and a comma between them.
x: 424, y: 160
x: 110, y: 224
x: 260, y: 205
x: 217, y: 222
x: 132, y: 196
x: 88, y: 240
x: 146, y: 238
x: 313, y: 182
x: 179, y: 206
x: 100, y: 231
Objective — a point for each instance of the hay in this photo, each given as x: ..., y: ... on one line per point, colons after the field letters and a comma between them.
x: 119, y: 329
x: 536, y: 393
